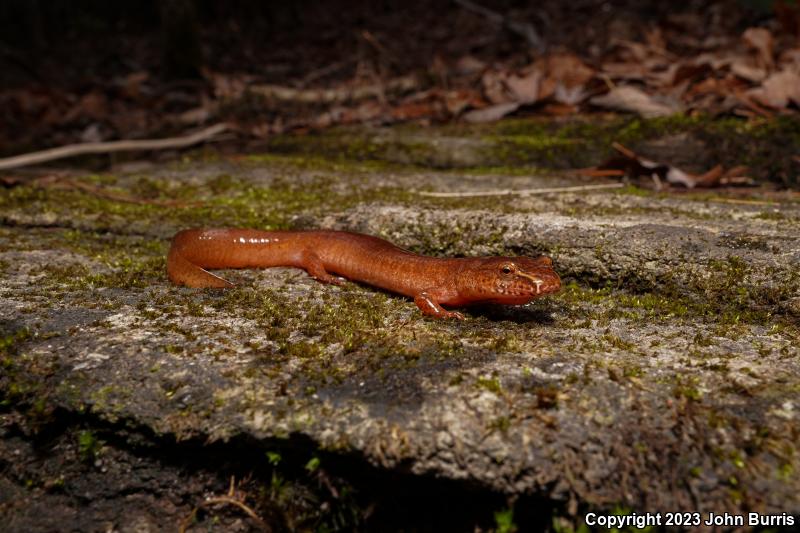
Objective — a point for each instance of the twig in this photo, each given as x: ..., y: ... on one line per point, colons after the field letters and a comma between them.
x: 333, y: 96
x: 593, y: 172
x: 73, y: 150
x: 225, y: 500
x: 327, y: 70
x: 521, y: 192
x: 524, y: 29
x: 742, y: 201
x: 627, y: 152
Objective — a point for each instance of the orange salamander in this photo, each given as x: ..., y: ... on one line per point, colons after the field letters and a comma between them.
x: 430, y: 281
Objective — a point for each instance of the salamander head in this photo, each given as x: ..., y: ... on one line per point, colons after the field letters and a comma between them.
x: 509, y: 280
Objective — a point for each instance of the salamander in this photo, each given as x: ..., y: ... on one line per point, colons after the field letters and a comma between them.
x: 431, y: 281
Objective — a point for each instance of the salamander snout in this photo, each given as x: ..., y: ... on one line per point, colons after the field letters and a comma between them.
x: 519, y: 280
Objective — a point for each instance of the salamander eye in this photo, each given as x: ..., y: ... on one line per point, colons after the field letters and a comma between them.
x: 506, y: 269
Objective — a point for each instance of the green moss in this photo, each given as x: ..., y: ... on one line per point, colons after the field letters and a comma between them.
x: 786, y: 471
x: 545, y: 143
x: 242, y: 205
x: 17, y: 386
x: 501, y: 424
x: 687, y: 387
x: 771, y: 215
x: 127, y: 273
x: 504, y: 521
x: 616, y: 342
x: 492, y: 384
x: 729, y: 295
x: 336, y: 333
x: 10, y: 340
x: 89, y: 445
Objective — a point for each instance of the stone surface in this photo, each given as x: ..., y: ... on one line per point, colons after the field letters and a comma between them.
x: 665, y: 376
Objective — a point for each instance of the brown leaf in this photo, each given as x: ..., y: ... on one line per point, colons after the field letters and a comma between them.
x: 633, y: 165
x: 624, y: 71
x: 637, y: 52
x: 93, y: 105
x: 491, y: 113
x: 467, y: 65
x: 760, y: 39
x: 736, y: 176
x: 710, y: 178
x: 745, y: 69
x: 778, y: 90
x: 715, y: 61
x: 568, y: 69
x: 558, y: 109
x: 197, y: 115
x: 457, y: 101
x: 752, y: 107
x: 494, y: 86
x: 791, y: 57
x: 570, y: 95
x: 655, y: 39
x: 634, y: 100
x: 690, y: 72
x: 525, y: 89
x: 132, y: 84
x: 413, y: 110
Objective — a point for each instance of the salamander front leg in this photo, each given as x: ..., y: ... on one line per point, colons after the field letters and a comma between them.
x: 428, y: 305
x: 312, y: 264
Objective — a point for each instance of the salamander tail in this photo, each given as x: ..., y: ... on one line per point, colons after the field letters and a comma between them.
x: 183, y: 272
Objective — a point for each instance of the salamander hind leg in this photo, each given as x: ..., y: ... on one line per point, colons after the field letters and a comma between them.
x: 429, y: 306
x: 312, y: 264
x: 183, y: 272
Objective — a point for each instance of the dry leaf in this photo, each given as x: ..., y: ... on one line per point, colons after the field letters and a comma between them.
x: 624, y: 71
x: 791, y: 57
x: 458, y: 100
x: 491, y: 113
x: 655, y: 39
x: 570, y: 95
x: 744, y: 68
x: 132, y: 84
x: 93, y: 105
x: 637, y: 52
x: 525, y: 89
x: 760, y: 39
x: 93, y: 133
x: 196, y: 115
x: 634, y: 100
x: 778, y: 90
x: 413, y: 110
x: 494, y: 86
x: 467, y: 65
x: 568, y: 69
x: 633, y: 165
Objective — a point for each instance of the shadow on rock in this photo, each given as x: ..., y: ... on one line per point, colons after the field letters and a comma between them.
x: 517, y: 314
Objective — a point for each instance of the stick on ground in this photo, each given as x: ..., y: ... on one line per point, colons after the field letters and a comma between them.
x: 73, y: 150
x: 521, y: 192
